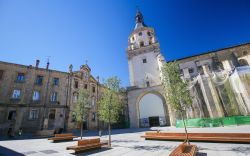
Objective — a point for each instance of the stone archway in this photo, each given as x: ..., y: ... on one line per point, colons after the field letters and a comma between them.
x: 152, y: 110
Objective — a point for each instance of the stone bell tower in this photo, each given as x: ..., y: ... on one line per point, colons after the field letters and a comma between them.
x: 144, y: 57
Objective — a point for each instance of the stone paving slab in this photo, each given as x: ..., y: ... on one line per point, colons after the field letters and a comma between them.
x: 126, y: 143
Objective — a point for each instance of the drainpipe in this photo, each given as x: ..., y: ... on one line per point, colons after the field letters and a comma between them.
x: 45, y: 114
x: 66, y: 110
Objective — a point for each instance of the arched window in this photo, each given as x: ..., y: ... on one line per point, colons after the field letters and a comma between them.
x: 243, y: 62
x: 245, y: 53
x: 149, y: 33
x: 220, y: 65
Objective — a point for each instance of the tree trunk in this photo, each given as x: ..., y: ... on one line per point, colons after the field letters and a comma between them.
x: 110, y: 122
x: 187, y: 140
x: 81, y: 129
x: 109, y: 135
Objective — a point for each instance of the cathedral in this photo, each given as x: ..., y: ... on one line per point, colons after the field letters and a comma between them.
x: 218, y: 81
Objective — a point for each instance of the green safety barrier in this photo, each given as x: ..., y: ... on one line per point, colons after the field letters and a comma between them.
x: 214, y: 122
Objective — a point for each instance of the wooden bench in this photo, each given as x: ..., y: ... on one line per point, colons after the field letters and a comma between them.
x: 207, y: 137
x: 62, y: 137
x: 184, y: 150
x: 87, y: 144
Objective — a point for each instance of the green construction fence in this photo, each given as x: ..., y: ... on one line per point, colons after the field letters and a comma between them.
x: 214, y: 122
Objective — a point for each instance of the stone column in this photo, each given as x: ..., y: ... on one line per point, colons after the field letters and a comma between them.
x: 214, y: 93
x: 227, y: 65
x: 205, y: 95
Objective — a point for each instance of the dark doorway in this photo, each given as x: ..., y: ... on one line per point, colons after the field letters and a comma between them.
x: 84, y: 125
x: 154, y: 121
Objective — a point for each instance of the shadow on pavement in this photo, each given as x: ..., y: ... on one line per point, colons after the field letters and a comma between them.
x: 242, y: 150
x: 113, y: 131
x: 93, y: 151
x: 77, y: 133
x: 201, y: 154
x: 152, y: 148
x: 8, y: 152
x: 60, y: 141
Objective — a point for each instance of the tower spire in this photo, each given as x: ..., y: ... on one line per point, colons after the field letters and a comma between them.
x: 139, y: 19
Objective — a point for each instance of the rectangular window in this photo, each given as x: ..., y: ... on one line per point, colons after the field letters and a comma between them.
x: 144, y: 60
x: 75, y: 97
x: 12, y: 115
x: 93, y: 89
x: 39, y: 80
x: 16, y: 94
x: 181, y: 72
x: 36, y: 96
x: 20, y: 77
x: 141, y: 44
x: 54, y: 97
x: 76, y: 84
x: 93, y: 101
x: 52, y: 114
x: 85, y: 86
x: 140, y: 33
x: 147, y: 83
x: 1, y: 74
x: 56, y: 81
x: 33, y: 114
x: 93, y: 116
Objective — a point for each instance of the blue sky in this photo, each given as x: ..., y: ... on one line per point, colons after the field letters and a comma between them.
x: 72, y: 31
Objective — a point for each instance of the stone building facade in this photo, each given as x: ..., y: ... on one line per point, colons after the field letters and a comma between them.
x: 34, y: 98
x: 219, y: 81
x: 83, y: 79
x: 31, y: 98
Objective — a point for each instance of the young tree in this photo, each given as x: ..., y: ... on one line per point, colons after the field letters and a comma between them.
x: 110, y: 104
x: 176, y: 90
x: 81, y: 110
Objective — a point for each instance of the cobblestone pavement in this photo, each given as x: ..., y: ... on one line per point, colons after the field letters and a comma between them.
x: 125, y: 142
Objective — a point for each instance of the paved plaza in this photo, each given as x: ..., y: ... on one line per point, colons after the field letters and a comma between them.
x: 127, y: 142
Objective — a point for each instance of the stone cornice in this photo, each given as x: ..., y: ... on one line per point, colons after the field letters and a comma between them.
x: 31, y: 105
x: 146, y: 49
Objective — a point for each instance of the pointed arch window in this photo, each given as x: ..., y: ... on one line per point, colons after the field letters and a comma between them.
x: 243, y: 62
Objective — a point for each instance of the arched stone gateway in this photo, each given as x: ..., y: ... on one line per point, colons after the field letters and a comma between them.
x: 152, y: 110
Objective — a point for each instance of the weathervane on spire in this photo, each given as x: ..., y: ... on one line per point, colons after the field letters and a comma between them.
x: 139, y: 19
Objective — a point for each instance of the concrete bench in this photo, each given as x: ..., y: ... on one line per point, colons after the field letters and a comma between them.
x: 63, y: 137
x: 87, y: 144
